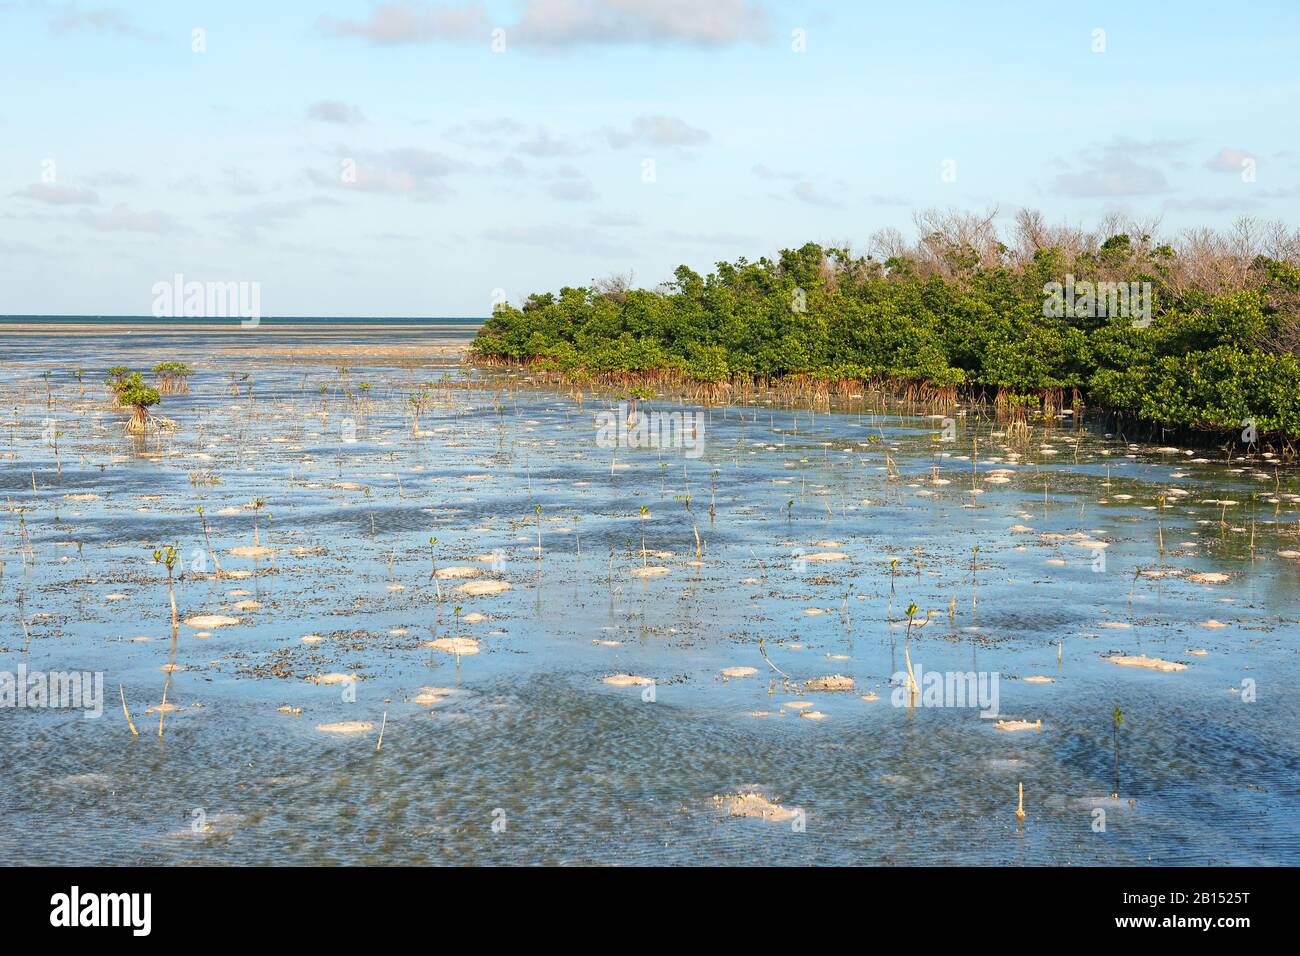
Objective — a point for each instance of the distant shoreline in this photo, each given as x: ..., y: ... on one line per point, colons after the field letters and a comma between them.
x: 55, y: 325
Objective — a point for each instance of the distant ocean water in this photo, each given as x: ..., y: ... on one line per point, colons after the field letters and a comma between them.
x: 181, y: 323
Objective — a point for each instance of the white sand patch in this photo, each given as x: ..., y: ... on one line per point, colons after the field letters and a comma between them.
x: 825, y: 557
x: 1014, y: 725
x: 1141, y: 660
x: 753, y: 805
x: 336, y: 678
x: 252, y: 551
x: 480, y: 588
x: 649, y: 571
x: 626, y: 680
x: 832, y: 683
x: 346, y: 727
x: 1039, y: 679
x: 205, y: 621
x: 248, y: 606
x: 1208, y: 577
x: 458, y: 571
x: 461, y: 646
x: 739, y: 671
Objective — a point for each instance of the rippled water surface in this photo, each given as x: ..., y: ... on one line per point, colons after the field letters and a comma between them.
x: 525, y: 734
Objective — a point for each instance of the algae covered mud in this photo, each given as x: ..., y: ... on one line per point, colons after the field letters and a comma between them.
x: 436, y: 614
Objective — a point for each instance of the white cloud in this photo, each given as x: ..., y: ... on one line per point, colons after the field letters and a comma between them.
x: 121, y: 218
x: 811, y: 194
x: 413, y: 172
x: 1113, y: 169
x: 658, y: 131
x: 102, y: 20
x: 333, y: 111
x: 404, y: 22
x: 562, y: 23
x: 1228, y: 160
x: 570, y: 185
x: 252, y: 220
x: 57, y: 195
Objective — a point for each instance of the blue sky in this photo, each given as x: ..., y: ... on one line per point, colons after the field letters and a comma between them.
x: 360, y: 158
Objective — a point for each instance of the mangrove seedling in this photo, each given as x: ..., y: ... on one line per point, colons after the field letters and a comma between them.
x: 645, y: 516
x: 686, y: 500
x: 139, y: 397
x: 1117, y: 721
x: 208, y: 542
x: 173, y: 376
x: 538, y: 510
x: 167, y: 556
x: 912, y: 688
x: 433, y: 568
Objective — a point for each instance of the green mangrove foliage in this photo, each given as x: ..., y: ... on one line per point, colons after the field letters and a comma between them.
x: 1201, y: 336
x: 173, y: 376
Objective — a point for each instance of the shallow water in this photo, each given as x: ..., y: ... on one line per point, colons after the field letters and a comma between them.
x: 570, y: 769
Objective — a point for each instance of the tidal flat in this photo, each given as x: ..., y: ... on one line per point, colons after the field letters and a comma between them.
x: 582, y: 654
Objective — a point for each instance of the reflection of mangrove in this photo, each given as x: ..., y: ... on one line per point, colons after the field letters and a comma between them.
x: 960, y: 314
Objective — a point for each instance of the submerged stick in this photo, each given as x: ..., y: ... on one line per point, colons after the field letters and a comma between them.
x: 129, y: 722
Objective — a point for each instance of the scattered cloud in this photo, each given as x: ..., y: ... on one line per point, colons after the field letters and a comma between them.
x: 657, y: 131
x: 1120, y: 167
x: 570, y: 185
x: 121, y: 218
x: 390, y: 24
x: 240, y: 181
x: 333, y: 111
x: 1228, y: 160
x: 561, y: 23
x: 251, y: 221
x: 618, y: 220
x: 102, y: 20
x: 813, y: 195
x: 113, y: 177
x: 542, y: 144
x: 656, y: 22
x: 416, y: 173
x: 763, y: 171
x: 581, y: 240
x: 57, y: 195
